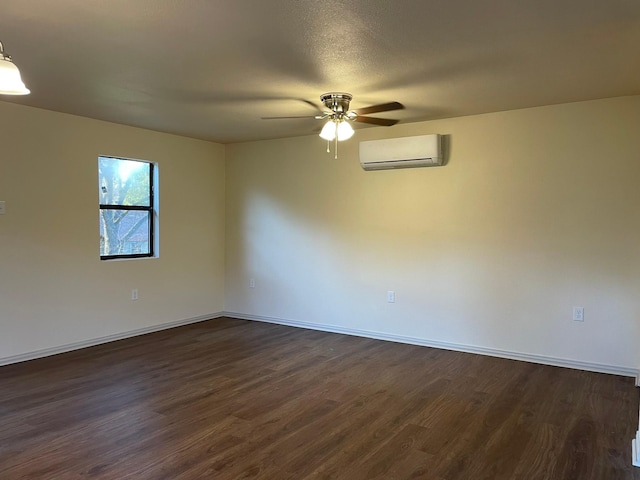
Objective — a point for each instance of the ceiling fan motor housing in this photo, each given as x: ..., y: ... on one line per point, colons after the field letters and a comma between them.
x: 337, y: 102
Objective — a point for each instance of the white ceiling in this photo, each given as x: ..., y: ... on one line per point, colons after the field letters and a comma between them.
x: 211, y: 69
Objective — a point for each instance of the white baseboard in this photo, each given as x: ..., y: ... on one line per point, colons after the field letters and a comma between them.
x: 97, y: 341
x: 635, y: 452
x: 527, y: 357
x: 545, y: 360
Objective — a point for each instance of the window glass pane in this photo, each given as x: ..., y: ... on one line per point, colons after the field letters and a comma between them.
x: 124, y: 182
x: 124, y: 232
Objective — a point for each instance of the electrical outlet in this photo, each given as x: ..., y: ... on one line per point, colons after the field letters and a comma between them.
x: 391, y: 296
x: 578, y: 314
x: 134, y: 294
x: 252, y: 283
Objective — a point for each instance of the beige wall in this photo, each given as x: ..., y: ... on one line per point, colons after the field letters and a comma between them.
x: 54, y: 290
x: 537, y: 211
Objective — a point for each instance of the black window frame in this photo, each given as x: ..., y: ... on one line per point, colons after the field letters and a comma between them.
x: 150, y: 209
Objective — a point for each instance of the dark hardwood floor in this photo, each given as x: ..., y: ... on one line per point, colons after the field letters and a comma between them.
x: 231, y: 399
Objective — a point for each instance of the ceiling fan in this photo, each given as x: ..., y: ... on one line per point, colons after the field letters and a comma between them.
x: 339, y: 116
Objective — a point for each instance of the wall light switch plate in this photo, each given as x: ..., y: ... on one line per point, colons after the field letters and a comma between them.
x: 2, y: 207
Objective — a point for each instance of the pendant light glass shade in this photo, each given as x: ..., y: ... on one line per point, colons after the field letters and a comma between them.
x: 339, y: 128
x: 329, y: 130
x: 10, y: 81
x: 345, y: 131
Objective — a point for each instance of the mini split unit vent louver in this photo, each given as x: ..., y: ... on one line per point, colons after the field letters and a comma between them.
x: 405, y: 152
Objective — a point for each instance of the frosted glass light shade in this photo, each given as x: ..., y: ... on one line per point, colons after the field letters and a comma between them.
x: 339, y: 128
x: 345, y: 131
x: 329, y: 130
x: 10, y: 81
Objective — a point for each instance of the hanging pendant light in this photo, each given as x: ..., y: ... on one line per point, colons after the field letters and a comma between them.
x: 10, y: 81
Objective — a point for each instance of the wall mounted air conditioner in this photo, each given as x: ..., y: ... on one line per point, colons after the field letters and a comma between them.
x: 404, y: 152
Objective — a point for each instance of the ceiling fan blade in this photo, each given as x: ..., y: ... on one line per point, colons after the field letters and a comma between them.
x: 383, y: 107
x: 384, y: 122
x: 312, y: 104
x: 284, y: 118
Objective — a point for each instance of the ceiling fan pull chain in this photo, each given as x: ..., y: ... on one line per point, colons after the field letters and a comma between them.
x: 336, y: 148
x: 328, y: 144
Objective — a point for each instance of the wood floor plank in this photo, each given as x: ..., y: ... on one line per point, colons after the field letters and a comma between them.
x: 231, y: 399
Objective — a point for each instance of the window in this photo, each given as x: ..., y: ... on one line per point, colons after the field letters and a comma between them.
x: 126, y: 208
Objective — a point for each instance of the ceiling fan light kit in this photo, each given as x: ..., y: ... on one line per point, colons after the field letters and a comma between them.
x: 10, y: 80
x: 338, y: 116
x: 336, y: 129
